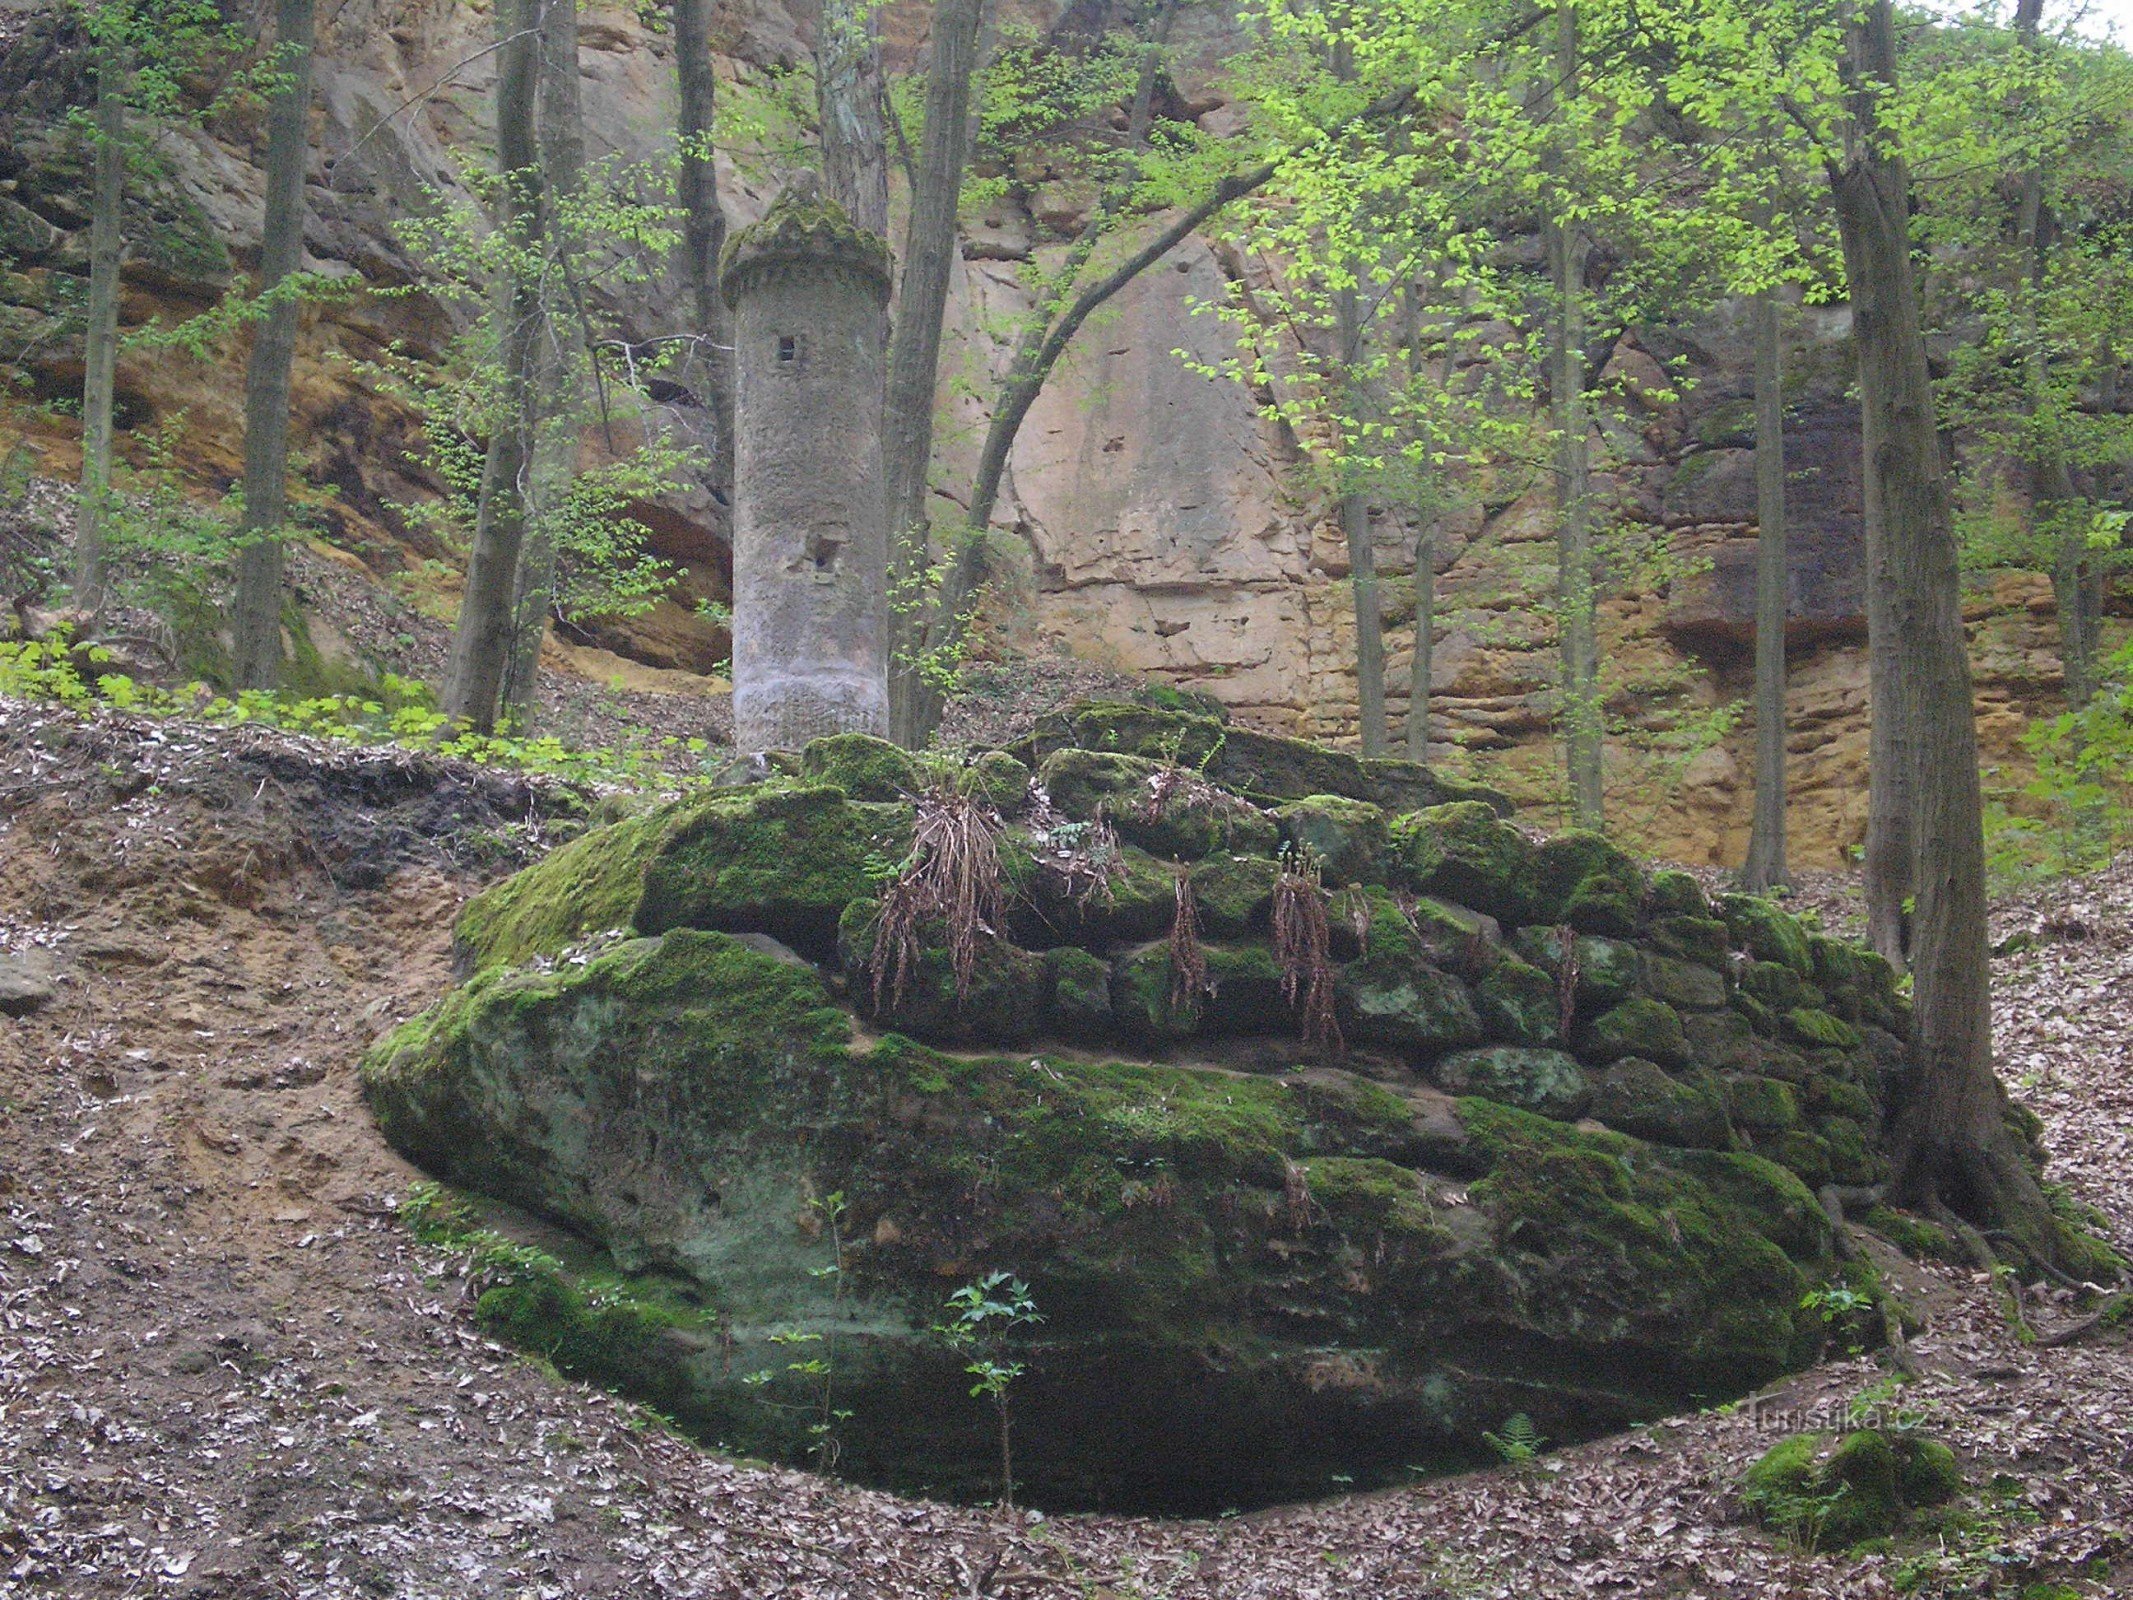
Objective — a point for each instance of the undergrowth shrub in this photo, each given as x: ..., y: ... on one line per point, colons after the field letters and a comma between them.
x: 400, y: 713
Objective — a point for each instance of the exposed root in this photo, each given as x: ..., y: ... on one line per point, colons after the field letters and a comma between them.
x: 1302, y: 943
x: 951, y: 876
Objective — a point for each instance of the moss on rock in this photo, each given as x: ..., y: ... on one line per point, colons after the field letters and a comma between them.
x: 1164, y: 811
x: 1767, y: 931
x: 1639, y: 1026
x: 1234, y: 894
x: 1519, y: 1002
x: 1639, y: 1097
x: 1387, y: 998
x: 1767, y: 1105
x: 1348, y: 838
x: 864, y: 767
x: 1467, y: 854
x: 1548, y: 1082
x: 1584, y: 880
x: 1684, y: 985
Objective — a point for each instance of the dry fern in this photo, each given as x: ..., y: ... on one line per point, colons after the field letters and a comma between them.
x: 952, y: 876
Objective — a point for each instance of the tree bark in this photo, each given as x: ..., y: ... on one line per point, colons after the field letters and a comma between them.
x: 704, y: 230
x: 559, y: 132
x: 914, y: 363
x: 2051, y: 482
x: 1577, y: 595
x: 481, y: 643
x: 100, y: 344
x: 849, y: 111
x: 1362, y: 553
x: 255, y: 622
x: 1421, y: 668
x: 1766, y: 866
x: 1952, y: 1145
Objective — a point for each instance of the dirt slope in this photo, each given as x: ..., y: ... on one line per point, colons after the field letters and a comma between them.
x: 225, y: 1371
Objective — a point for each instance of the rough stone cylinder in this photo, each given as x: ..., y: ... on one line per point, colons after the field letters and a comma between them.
x: 809, y: 292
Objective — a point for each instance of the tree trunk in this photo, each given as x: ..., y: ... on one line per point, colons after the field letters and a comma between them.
x: 849, y: 111
x: 1362, y: 553
x: 2051, y: 483
x: 559, y: 129
x: 1952, y: 1145
x: 914, y: 363
x: 255, y: 621
x: 1421, y: 670
x: 107, y: 210
x: 1577, y: 590
x: 481, y: 643
x: 704, y: 231
x: 1766, y: 867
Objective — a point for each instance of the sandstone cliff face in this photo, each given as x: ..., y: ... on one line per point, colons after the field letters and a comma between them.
x: 1172, y: 528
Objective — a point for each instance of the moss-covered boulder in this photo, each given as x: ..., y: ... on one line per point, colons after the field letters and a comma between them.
x: 1007, y: 999
x: 1467, y: 854
x: 1388, y: 998
x: 1234, y: 894
x: 1544, y: 1081
x: 1642, y: 1098
x: 1601, y: 973
x: 1166, y: 810
x: 1684, y: 985
x: 1215, y: 1221
x: 1202, y: 1243
x: 1239, y: 994
x: 862, y: 766
x: 1832, y: 1493
x: 1519, y: 1002
x: 1767, y: 1105
x: 1348, y: 838
x: 777, y: 859
x: 1639, y: 1026
x: 1767, y: 931
x: 1130, y: 898
x: 1585, y: 880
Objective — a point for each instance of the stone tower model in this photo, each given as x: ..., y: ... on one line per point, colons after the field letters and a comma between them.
x: 809, y: 292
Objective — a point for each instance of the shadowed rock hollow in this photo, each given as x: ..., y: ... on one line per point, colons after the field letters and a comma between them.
x: 1562, y: 1166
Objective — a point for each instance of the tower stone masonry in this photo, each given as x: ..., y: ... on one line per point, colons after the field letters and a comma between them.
x: 809, y: 292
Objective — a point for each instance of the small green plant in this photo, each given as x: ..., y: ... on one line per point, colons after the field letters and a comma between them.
x: 1520, y: 1443
x: 981, y: 1317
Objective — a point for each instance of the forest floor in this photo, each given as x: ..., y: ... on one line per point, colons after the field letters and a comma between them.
x: 226, y: 1369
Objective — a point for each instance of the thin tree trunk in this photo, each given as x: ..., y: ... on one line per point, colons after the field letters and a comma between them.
x: 850, y: 113
x: 1766, y: 866
x: 2052, y: 484
x: 100, y: 345
x: 1577, y: 590
x: 1362, y: 553
x: 559, y: 125
x: 1952, y: 1145
x: 255, y: 622
x: 1421, y: 669
x: 914, y: 363
x: 704, y: 230
x: 481, y: 643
